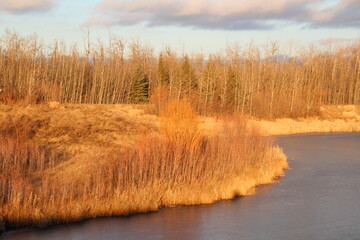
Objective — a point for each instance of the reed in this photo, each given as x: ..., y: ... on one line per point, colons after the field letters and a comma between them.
x: 177, y: 165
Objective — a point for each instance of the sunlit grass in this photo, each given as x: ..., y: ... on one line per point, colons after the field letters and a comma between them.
x: 44, y: 184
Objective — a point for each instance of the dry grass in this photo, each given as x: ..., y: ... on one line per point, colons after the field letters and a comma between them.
x: 69, y: 126
x: 62, y: 173
x: 290, y: 126
x: 67, y: 162
x: 333, y: 118
x: 338, y: 118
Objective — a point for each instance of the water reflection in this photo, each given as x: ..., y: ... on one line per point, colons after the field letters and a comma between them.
x: 317, y: 199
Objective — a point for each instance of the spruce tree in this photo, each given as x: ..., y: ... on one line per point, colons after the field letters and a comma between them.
x: 163, y: 71
x: 140, y: 87
x: 230, y: 88
x: 188, y: 80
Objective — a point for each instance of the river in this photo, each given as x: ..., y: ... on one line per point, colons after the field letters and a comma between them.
x: 319, y: 198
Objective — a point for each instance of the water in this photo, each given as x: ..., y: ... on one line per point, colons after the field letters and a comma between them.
x: 319, y: 198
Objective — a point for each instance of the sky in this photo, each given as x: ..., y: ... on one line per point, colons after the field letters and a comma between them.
x: 201, y: 26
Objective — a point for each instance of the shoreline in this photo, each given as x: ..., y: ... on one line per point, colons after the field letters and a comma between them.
x: 135, y: 171
x: 207, y: 125
x: 314, y: 134
x: 337, y: 118
x: 238, y: 187
x: 290, y: 126
x: 13, y: 230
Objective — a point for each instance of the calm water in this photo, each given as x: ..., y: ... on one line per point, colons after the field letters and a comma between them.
x: 319, y: 198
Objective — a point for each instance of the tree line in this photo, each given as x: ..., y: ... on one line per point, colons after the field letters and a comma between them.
x: 263, y: 81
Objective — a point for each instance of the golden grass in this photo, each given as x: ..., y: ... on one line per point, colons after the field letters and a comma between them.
x: 75, y: 126
x: 65, y: 163
x: 68, y: 162
x: 337, y: 118
x: 290, y: 126
x: 73, y: 164
x: 333, y: 118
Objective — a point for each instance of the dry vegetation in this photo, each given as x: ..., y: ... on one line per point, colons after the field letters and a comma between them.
x: 338, y: 118
x: 70, y: 151
x: 333, y: 118
x: 252, y: 80
x: 65, y: 163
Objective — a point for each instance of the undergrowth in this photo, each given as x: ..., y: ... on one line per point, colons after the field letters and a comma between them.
x: 178, y: 165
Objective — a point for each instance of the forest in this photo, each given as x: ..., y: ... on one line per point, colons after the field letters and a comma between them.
x: 269, y: 81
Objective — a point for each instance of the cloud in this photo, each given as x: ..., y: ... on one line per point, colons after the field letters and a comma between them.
x: 228, y: 14
x: 345, y: 13
x: 25, y: 6
x: 332, y: 41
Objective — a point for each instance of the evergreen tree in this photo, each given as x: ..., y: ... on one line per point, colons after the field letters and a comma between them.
x: 230, y: 88
x: 140, y: 87
x: 163, y: 71
x: 189, y: 80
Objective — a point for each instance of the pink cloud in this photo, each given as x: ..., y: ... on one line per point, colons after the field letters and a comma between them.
x: 332, y: 41
x: 23, y: 6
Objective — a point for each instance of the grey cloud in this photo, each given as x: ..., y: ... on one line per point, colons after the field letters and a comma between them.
x: 349, y: 16
x: 208, y: 21
x: 228, y: 14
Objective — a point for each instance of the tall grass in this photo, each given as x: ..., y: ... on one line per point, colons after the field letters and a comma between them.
x: 177, y: 166
x: 263, y: 81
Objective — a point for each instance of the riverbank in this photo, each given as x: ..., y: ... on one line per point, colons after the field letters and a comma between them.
x: 322, y: 184
x: 85, y: 161
x: 338, y: 118
x: 66, y: 163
